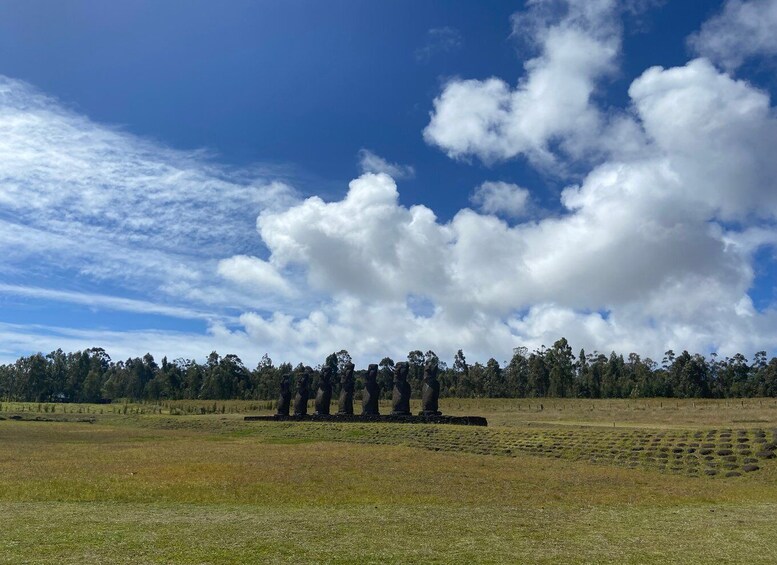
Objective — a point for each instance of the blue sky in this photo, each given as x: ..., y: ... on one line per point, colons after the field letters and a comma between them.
x: 300, y: 177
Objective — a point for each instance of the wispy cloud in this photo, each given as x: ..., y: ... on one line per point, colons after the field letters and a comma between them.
x: 42, y: 338
x: 439, y: 40
x: 83, y: 199
x: 102, y: 301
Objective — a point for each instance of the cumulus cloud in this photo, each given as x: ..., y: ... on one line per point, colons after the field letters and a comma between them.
x: 577, y: 42
x: 718, y: 133
x: 369, y: 162
x: 501, y: 198
x: 643, y: 257
x: 743, y: 29
x: 365, y: 245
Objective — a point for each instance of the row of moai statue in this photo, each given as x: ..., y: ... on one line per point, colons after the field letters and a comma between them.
x: 400, y: 398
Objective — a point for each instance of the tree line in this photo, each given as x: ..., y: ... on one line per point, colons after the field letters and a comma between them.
x: 92, y: 376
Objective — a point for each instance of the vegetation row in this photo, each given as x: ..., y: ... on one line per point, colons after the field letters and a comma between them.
x: 702, y: 453
x: 92, y: 376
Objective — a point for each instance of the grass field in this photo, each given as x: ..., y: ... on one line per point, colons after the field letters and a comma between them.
x: 566, y: 482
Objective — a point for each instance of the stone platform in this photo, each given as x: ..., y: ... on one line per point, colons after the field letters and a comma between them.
x: 356, y: 418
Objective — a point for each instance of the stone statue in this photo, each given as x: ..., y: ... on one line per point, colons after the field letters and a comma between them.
x: 324, y: 392
x: 346, y: 390
x: 285, y: 398
x: 430, y: 394
x: 301, y: 398
x: 400, y: 398
x: 371, y: 392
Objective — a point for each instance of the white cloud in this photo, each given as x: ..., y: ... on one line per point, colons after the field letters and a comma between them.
x: 253, y: 272
x: 365, y: 245
x: 439, y: 40
x: 372, y: 163
x: 639, y: 260
x: 743, y: 29
x: 645, y: 254
x: 718, y: 133
x: 122, y: 345
x: 501, y: 198
x: 101, y: 301
x: 80, y: 199
x: 552, y: 102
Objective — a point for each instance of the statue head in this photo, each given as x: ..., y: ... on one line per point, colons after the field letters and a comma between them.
x: 326, y: 375
x: 347, y: 375
x: 372, y: 372
x: 400, y: 371
x: 304, y: 379
x: 430, y: 369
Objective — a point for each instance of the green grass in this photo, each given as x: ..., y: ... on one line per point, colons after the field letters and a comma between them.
x: 160, y: 488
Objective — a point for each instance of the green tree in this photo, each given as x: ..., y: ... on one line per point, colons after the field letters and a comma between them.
x: 611, y: 378
x: 517, y: 373
x: 415, y: 372
x: 460, y: 373
x: 561, y: 369
x: 538, y: 374
x: 493, y: 380
x: 386, y: 376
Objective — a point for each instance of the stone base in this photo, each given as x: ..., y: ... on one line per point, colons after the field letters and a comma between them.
x: 389, y: 419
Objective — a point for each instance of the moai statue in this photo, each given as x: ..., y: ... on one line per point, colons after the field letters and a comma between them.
x: 301, y: 398
x: 324, y: 392
x: 285, y: 398
x: 371, y: 392
x: 346, y: 391
x: 430, y: 394
x: 400, y: 398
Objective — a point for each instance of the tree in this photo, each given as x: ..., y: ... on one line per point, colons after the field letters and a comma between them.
x: 475, y: 380
x: 33, y: 379
x: 693, y: 380
x: 343, y: 359
x: 386, y: 376
x: 581, y: 376
x: 493, y: 380
x: 212, y: 385
x: 193, y: 378
x: 265, y: 379
x: 560, y: 361
x: 538, y: 374
x: 767, y: 379
x: 92, y: 387
x: 460, y: 372
x: 597, y: 365
x: 415, y: 372
x: 57, y: 369
x: 517, y: 373
x: 612, y: 376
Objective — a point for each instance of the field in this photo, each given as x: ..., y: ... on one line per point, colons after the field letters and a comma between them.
x: 549, y: 481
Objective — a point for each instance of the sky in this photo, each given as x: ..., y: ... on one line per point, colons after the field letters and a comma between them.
x: 300, y: 177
